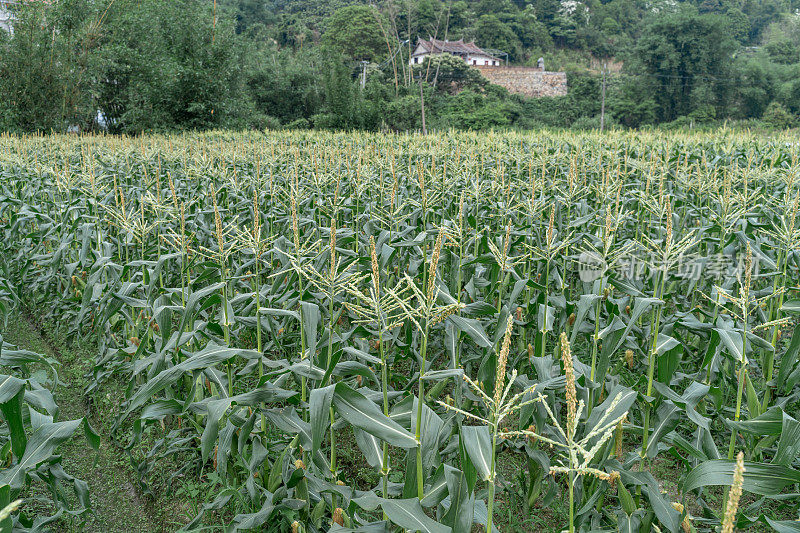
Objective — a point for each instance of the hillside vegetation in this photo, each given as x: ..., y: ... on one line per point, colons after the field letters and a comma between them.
x: 158, y: 65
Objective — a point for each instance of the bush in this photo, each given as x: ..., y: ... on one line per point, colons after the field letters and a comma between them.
x: 559, y: 111
x: 454, y: 74
x: 680, y: 123
x: 630, y: 103
x: 299, y: 124
x: 593, y: 123
x: 487, y: 116
x: 777, y: 116
x: 403, y: 114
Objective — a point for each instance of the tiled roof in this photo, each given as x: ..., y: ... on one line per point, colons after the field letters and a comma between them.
x: 435, y: 46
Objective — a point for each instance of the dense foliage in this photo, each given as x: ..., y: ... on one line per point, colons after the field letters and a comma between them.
x: 30, y: 436
x: 362, y: 332
x: 159, y: 65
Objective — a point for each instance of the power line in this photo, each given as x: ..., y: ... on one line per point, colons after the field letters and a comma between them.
x: 704, y: 77
x: 400, y: 47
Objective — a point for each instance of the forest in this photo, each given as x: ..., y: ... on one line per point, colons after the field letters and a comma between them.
x: 157, y: 65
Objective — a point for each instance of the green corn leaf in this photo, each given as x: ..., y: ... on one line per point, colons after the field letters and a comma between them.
x: 668, y: 351
x: 759, y: 478
x: 319, y: 404
x: 585, y: 303
x: 545, y: 317
x: 459, y: 515
x: 10, y: 387
x: 629, y: 523
x: 753, y: 402
x: 477, y: 443
x: 252, y: 521
x: 769, y: 423
x: 206, y: 358
x: 311, y: 318
x: 371, y: 447
x: 732, y: 340
x: 473, y: 329
x: 12, y: 412
x: 789, y: 443
x: 625, y: 399
x: 612, y: 337
x: 363, y: 413
x: 789, y: 359
x: 189, y: 313
x: 660, y: 505
x: 40, y: 448
x: 409, y: 515
x: 791, y: 306
x: 784, y: 526
x: 216, y: 408
x: 625, y: 499
x: 667, y: 418
x: 91, y: 435
x: 436, y: 491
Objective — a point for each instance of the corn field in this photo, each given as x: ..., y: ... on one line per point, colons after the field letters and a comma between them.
x: 498, y: 324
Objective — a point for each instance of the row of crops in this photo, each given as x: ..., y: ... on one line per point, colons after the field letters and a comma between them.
x: 498, y: 324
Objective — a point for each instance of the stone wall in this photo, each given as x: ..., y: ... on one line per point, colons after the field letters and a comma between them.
x: 527, y: 81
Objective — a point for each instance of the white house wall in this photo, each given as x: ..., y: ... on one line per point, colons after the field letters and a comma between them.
x: 419, y: 57
x: 477, y: 60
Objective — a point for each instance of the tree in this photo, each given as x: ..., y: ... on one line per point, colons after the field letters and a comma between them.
x: 789, y: 93
x: 630, y: 102
x: 546, y: 10
x: 584, y: 91
x: 460, y: 17
x: 494, y: 7
x: 783, y: 52
x: 343, y: 101
x: 678, y: 52
x: 493, y: 33
x: 531, y: 32
x: 738, y: 24
x: 782, y: 40
x: 169, y: 64
x: 47, y: 67
x: 761, y: 13
x: 755, y: 88
x: 355, y: 33
x: 429, y: 16
x: 252, y: 12
x: 778, y: 116
x: 450, y: 73
x: 284, y: 84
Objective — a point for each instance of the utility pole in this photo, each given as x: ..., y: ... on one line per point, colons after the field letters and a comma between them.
x: 422, y: 103
x: 603, y: 101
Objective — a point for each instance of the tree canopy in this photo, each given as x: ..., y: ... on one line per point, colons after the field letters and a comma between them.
x: 192, y: 64
x: 355, y: 32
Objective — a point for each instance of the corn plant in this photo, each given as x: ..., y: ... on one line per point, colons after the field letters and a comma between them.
x: 340, y: 326
x: 31, y: 436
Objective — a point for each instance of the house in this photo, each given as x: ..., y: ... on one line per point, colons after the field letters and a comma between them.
x: 469, y: 52
x: 6, y: 18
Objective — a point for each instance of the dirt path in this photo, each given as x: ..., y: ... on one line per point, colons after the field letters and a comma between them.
x: 117, y: 505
